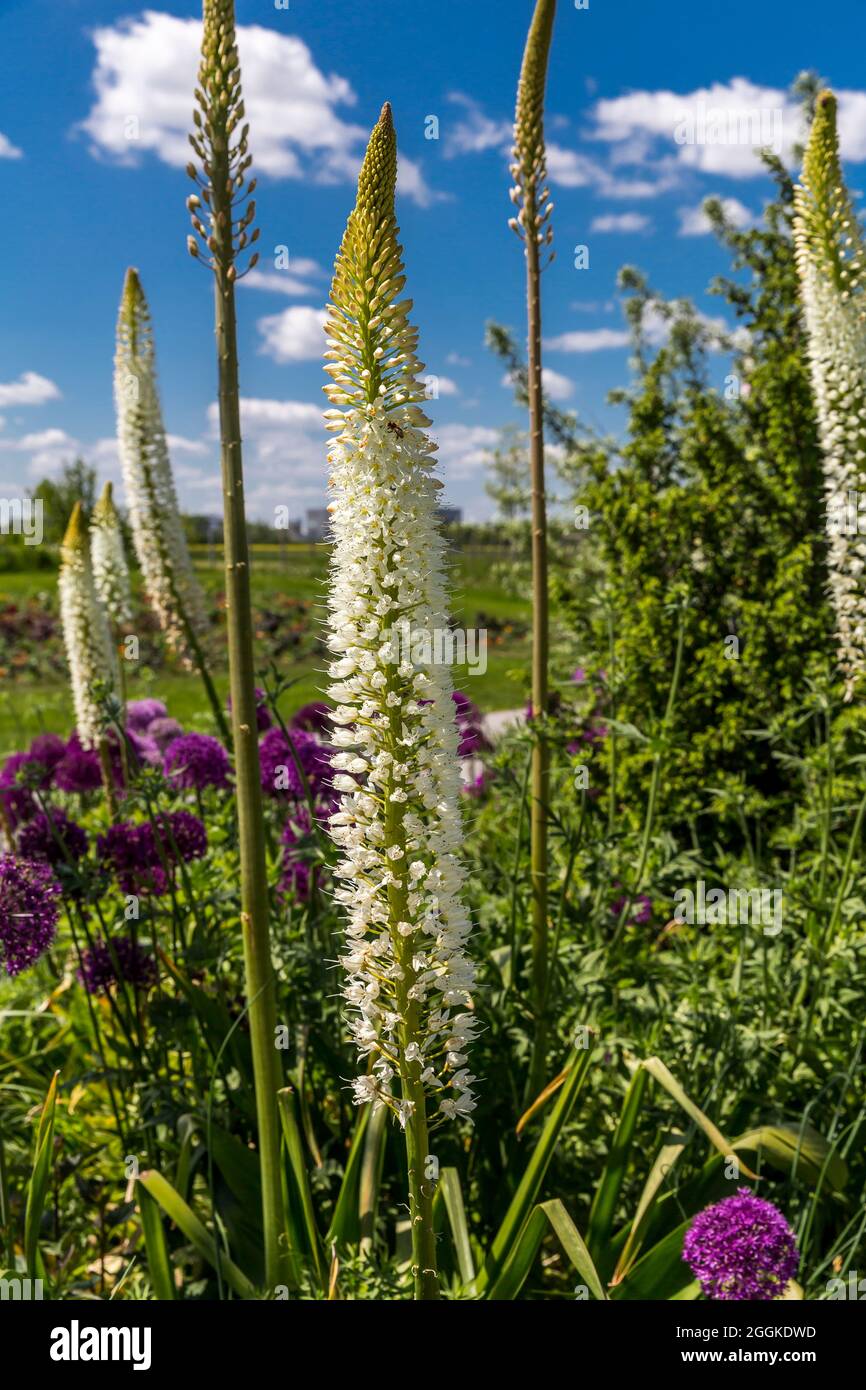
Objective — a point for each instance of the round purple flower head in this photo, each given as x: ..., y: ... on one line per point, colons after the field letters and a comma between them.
x: 183, y: 834
x: 263, y: 714
x: 28, y: 911
x: 123, y: 960
x: 196, y: 760
x: 54, y: 838
x: 47, y: 750
x: 79, y: 769
x: 162, y: 732
x: 19, y: 802
x: 741, y: 1248
x: 131, y: 852
x: 314, y: 717
x: 279, y: 764
x: 141, y: 713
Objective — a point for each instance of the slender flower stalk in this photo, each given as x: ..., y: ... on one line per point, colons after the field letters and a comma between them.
x: 531, y: 224
x: 90, y: 651
x: 832, y: 265
x: 157, y: 532
x: 225, y: 204
x: 398, y: 823
x: 108, y: 557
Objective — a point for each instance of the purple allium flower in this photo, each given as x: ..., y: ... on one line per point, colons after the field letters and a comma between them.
x: 314, y: 717
x: 124, y: 959
x: 163, y: 732
x: 131, y: 852
x: 263, y: 714
x: 144, y: 749
x: 467, y: 717
x: 53, y: 837
x: 79, y: 769
x: 578, y: 675
x: 595, y: 733
x: 141, y: 713
x: 184, y: 830
x: 28, y: 911
x: 19, y: 802
x: 477, y: 786
x: 296, y: 881
x: 196, y: 760
x: 47, y: 750
x: 741, y: 1248
x: 466, y: 709
x: 279, y: 764
x: 641, y: 907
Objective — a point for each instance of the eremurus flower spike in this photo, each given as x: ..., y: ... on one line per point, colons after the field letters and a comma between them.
x: 220, y: 143
x: 108, y: 557
x: 832, y: 265
x: 408, y: 979
x: 529, y: 171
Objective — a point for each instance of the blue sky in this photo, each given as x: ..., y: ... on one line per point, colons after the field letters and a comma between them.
x: 94, y: 106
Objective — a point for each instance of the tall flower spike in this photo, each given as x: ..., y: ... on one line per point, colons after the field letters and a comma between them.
x: 108, y: 557
x: 408, y: 979
x: 89, y: 649
x: 157, y: 533
x: 220, y: 143
x: 832, y: 266
x: 532, y: 225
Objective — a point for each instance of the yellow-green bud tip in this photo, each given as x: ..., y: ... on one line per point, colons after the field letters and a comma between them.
x: 76, y: 535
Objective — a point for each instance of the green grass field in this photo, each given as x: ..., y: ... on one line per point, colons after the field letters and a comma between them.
x: 32, y: 700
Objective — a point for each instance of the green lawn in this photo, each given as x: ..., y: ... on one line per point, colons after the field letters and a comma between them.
x: 281, y: 576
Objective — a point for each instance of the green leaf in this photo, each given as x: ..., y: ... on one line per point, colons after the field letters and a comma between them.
x: 295, y: 1150
x: 452, y: 1195
x: 536, y: 1169
x: 657, y: 1069
x: 573, y: 1244
x: 343, y: 1229
x: 660, y: 1273
x: 797, y: 1150
x: 603, y: 1210
x: 158, y: 1260
x: 196, y: 1232
x: 40, y: 1177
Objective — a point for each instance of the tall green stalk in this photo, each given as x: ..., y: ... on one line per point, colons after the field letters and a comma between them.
x: 532, y: 225
x: 229, y: 211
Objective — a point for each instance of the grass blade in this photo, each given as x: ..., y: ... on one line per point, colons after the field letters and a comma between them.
x: 158, y: 1260
x: 196, y: 1232
x: 37, y: 1187
x: 452, y: 1195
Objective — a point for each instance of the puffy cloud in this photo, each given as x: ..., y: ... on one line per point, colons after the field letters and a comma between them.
x: 463, y: 449
x: 144, y: 77
x: 620, y: 222
x: 294, y: 281
x: 588, y: 340
x: 556, y: 386
x: 476, y: 131
x: 29, y: 389
x: 7, y: 149
x: 296, y: 334
x: 694, y: 221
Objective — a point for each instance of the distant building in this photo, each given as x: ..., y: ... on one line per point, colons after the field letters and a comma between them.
x: 449, y: 516
x: 318, y: 523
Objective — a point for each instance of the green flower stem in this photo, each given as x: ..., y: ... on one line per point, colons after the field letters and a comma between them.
x: 224, y: 162
x: 529, y: 169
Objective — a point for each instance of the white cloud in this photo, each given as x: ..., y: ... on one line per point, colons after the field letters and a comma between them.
x: 144, y: 78
x: 463, y: 449
x: 179, y: 445
x: 570, y: 169
x: 445, y: 385
x: 476, y: 132
x: 296, y: 334
x: 7, y: 149
x: 410, y: 181
x: 620, y: 222
x: 29, y: 389
x: 295, y: 281
x: 556, y: 386
x: 694, y: 221
x: 454, y: 359
x: 588, y: 340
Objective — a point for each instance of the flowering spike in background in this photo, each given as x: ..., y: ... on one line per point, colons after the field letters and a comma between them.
x: 157, y: 530
x: 408, y: 979
x: 108, y: 557
x: 529, y: 171
x: 832, y: 266
x: 89, y: 648
x: 220, y: 144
